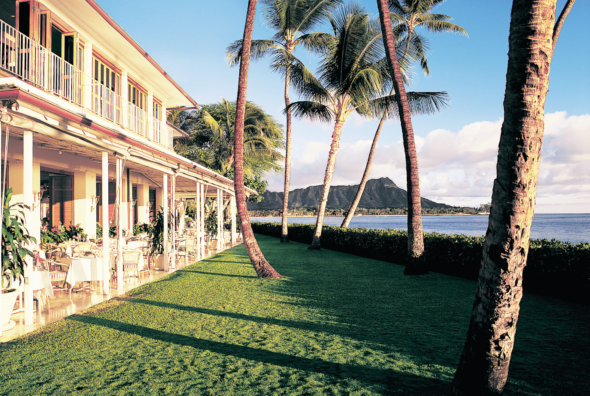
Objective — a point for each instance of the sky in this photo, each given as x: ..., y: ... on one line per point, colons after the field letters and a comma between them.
x: 457, y: 148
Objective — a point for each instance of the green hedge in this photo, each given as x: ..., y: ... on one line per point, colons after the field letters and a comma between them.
x: 554, y: 268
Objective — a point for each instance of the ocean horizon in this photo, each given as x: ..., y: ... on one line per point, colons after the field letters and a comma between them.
x: 566, y: 227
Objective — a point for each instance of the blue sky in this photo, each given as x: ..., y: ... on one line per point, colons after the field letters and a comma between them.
x: 456, y: 148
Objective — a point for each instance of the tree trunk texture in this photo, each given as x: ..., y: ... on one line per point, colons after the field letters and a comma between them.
x: 262, y: 267
x: 315, y: 243
x: 415, y: 236
x: 285, y: 230
x: 483, y: 368
x: 359, y: 193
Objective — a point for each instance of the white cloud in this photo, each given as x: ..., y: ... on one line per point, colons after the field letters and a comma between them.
x: 458, y: 168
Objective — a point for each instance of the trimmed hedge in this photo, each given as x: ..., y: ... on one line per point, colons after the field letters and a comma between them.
x: 554, y: 268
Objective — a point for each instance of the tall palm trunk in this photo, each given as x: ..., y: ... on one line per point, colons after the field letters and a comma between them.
x: 262, y: 267
x: 415, y: 237
x: 483, y: 368
x: 359, y: 193
x: 315, y: 244
x: 285, y: 230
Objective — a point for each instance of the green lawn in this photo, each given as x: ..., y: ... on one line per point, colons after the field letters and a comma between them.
x: 338, y: 324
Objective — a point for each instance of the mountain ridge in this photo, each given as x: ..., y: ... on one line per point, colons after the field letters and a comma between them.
x: 379, y: 193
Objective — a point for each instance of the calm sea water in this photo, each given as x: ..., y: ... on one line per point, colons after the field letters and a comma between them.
x: 574, y: 228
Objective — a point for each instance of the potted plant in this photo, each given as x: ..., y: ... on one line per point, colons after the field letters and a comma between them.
x: 156, y: 233
x: 15, y: 238
x: 211, y: 226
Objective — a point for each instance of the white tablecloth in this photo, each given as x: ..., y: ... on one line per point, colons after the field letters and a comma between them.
x: 84, y: 270
x: 40, y: 280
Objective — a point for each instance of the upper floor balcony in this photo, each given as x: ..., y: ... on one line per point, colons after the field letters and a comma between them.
x: 33, y: 63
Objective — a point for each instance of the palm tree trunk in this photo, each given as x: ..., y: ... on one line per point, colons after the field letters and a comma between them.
x: 315, y: 244
x: 262, y: 267
x: 359, y: 193
x: 415, y: 237
x: 483, y: 368
x: 285, y: 230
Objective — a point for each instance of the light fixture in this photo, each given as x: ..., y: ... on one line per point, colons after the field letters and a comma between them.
x: 94, y: 202
x: 60, y: 152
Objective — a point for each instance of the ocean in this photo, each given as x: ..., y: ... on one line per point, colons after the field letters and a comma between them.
x: 566, y: 227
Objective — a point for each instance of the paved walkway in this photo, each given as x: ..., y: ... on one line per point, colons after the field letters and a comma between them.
x: 61, y: 306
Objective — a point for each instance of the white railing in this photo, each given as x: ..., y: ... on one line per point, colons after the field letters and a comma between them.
x: 36, y: 64
x: 160, y: 133
x: 137, y: 120
x: 106, y: 103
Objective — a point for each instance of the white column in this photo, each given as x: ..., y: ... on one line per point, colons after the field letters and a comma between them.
x: 233, y: 220
x: 120, y: 224
x: 165, y: 206
x: 28, y: 200
x: 143, y: 201
x: 106, y: 264
x: 150, y: 113
x: 202, y: 223
x: 219, y: 220
x: 165, y: 131
x: 84, y: 190
x: 1, y: 218
x: 88, y: 76
x: 174, y: 212
x: 124, y: 100
x: 198, y: 219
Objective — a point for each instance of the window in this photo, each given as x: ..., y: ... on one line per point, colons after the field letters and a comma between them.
x: 107, y: 76
x: 62, y: 203
x: 157, y: 111
x: 137, y: 97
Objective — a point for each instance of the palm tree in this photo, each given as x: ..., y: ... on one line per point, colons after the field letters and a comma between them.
x: 410, y: 15
x: 484, y: 364
x: 415, y: 237
x: 352, y: 78
x: 213, y: 130
x: 293, y: 21
x: 261, y: 266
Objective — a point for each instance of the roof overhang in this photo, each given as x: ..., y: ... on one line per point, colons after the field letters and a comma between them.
x: 90, y: 20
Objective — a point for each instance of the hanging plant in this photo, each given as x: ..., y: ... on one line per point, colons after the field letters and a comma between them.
x: 15, y: 238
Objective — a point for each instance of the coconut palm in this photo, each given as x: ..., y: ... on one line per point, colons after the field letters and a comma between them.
x: 407, y: 18
x: 212, y: 139
x: 483, y: 367
x: 353, y: 77
x: 293, y: 21
x: 261, y: 266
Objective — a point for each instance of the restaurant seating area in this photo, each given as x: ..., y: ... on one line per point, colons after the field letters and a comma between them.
x: 68, y: 277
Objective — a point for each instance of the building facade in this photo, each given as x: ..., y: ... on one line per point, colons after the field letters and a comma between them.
x: 84, y: 113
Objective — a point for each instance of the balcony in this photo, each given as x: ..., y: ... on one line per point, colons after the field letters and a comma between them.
x: 35, y: 64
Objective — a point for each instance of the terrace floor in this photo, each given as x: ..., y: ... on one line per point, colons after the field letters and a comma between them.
x: 337, y: 324
x: 62, y: 305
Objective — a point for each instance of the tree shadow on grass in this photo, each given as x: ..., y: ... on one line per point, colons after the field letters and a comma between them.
x: 389, y: 380
x: 216, y: 274
x: 427, y: 317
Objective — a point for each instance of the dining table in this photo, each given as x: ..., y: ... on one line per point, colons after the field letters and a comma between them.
x: 88, y: 269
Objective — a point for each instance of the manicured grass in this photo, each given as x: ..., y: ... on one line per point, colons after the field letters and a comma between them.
x: 338, y: 324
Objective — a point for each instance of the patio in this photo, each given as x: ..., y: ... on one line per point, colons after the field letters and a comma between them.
x: 62, y: 304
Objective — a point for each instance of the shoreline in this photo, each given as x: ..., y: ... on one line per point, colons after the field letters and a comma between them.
x: 443, y: 214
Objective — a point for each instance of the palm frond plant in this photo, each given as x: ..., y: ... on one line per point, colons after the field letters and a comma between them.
x: 212, y: 139
x: 294, y: 22
x: 410, y: 46
x: 15, y: 239
x: 352, y: 77
x: 156, y: 232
